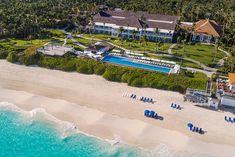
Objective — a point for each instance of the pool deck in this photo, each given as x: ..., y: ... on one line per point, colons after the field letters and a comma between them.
x: 130, y: 62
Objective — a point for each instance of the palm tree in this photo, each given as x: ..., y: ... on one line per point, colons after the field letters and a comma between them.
x: 216, y: 48
x: 134, y: 32
x: 192, y: 31
x: 184, y: 41
x: 120, y: 31
x: 156, y: 32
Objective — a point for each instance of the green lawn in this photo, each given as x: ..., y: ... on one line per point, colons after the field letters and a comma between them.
x: 182, y: 63
x: 76, y: 47
x: 56, y: 32
x: 21, y: 44
x: 205, y: 54
x: 85, y: 42
x: 135, y: 45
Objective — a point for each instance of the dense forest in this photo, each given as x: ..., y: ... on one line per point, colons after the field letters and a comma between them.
x: 29, y: 17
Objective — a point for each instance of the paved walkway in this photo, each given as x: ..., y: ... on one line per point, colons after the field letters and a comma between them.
x: 170, y: 48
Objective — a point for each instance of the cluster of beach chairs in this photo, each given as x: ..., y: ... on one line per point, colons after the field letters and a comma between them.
x: 195, y: 129
x: 151, y: 114
x: 229, y: 119
x: 175, y: 106
x: 142, y: 98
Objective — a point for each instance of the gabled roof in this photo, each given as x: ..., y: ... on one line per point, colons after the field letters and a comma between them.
x: 132, y: 19
x: 209, y: 27
x: 231, y: 78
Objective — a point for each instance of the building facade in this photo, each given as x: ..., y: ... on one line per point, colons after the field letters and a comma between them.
x: 127, y: 24
x: 206, y: 31
x: 232, y: 82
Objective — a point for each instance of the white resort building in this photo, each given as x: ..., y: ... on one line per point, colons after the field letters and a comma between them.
x: 204, y: 31
x: 129, y: 24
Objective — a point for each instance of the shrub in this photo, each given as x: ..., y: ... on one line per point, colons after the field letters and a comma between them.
x: 99, y: 69
x: 11, y: 57
x: 3, y: 54
x: 138, y: 82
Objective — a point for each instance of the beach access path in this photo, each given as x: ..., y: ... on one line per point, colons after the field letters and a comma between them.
x: 97, y: 107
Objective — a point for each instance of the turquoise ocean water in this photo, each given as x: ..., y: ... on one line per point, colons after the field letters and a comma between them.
x: 21, y: 136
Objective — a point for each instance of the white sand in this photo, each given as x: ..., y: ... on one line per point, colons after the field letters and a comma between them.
x: 98, y: 108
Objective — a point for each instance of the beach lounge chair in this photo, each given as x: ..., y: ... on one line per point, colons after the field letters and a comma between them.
x: 151, y: 100
x: 147, y: 99
x: 175, y: 105
x: 146, y: 113
x: 151, y: 114
x: 131, y: 95
x: 230, y: 119
x: 178, y: 107
x: 156, y: 116
x: 172, y: 105
x: 134, y: 97
x: 225, y: 118
x: 196, y: 129
x: 200, y: 131
x: 142, y: 98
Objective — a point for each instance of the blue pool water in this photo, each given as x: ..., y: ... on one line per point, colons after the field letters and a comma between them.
x: 129, y: 62
x: 27, y: 137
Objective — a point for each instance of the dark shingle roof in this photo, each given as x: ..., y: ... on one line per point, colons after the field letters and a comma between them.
x: 132, y: 19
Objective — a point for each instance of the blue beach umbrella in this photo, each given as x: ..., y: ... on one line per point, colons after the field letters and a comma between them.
x: 190, y: 125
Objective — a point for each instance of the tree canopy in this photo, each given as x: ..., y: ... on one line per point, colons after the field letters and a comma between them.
x: 29, y: 17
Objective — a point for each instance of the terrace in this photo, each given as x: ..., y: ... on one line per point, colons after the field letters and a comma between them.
x: 53, y: 49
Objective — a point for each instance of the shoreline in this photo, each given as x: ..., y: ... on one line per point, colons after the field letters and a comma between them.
x: 98, y: 108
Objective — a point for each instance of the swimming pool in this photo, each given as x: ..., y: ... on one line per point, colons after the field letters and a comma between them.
x: 131, y: 63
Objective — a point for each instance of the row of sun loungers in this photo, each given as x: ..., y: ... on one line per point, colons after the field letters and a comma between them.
x: 195, y: 129
x: 145, y: 99
x: 156, y: 63
x: 141, y: 60
x: 175, y: 106
x: 229, y: 119
x: 134, y: 96
x: 151, y: 114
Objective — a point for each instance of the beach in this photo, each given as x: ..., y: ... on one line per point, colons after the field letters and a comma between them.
x: 97, y: 107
